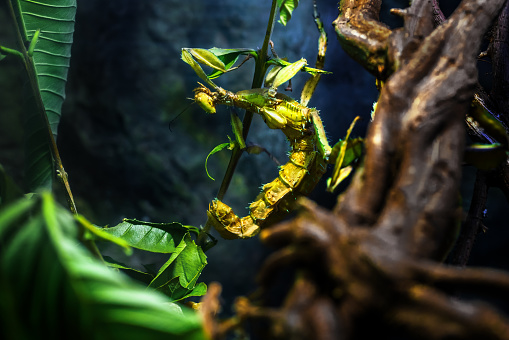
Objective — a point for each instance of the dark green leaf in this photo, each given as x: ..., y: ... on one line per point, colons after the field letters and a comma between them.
x: 51, y: 285
x: 186, y: 263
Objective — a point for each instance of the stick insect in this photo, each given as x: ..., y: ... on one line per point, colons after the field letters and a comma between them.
x: 308, y: 158
x: 309, y: 149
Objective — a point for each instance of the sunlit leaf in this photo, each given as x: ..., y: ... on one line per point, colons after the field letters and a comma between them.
x: 207, y: 58
x: 288, y: 72
x: 188, y: 58
x: 286, y: 8
x: 338, y: 175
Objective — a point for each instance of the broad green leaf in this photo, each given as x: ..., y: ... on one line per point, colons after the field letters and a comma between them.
x: 286, y: 8
x: 186, y: 263
x: 101, y: 234
x: 177, y: 292
x: 188, y: 58
x: 47, y: 26
x: 149, y: 238
x: 52, y: 286
x: 485, y: 156
x: 216, y: 149
x: 51, y: 50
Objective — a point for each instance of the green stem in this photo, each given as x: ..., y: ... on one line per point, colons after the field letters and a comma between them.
x: 259, y: 74
x: 260, y: 69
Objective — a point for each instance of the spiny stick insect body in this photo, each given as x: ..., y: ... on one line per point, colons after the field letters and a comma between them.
x: 308, y: 157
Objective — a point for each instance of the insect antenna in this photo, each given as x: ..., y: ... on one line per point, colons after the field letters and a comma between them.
x: 181, y: 112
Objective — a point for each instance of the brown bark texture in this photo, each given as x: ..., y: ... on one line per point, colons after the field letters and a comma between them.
x: 374, y: 263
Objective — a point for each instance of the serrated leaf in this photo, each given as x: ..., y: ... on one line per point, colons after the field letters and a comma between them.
x: 215, y: 150
x: 148, y: 237
x: 99, y: 233
x: 51, y: 285
x: 286, y: 8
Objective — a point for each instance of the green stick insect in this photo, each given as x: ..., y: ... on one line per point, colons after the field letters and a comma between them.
x: 309, y: 153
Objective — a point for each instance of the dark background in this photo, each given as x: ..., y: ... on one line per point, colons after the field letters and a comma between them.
x: 127, y: 82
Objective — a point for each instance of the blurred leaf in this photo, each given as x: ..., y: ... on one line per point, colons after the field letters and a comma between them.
x: 101, y: 234
x: 186, y: 263
x: 9, y: 191
x: 286, y: 8
x: 216, y: 149
x: 146, y: 236
x: 485, y: 156
x: 338, y: 175
x: 51, y: 286
x: 488, y: 122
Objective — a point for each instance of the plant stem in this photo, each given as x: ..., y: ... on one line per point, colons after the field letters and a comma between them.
x: 260, y: 69
x: 259, y: 74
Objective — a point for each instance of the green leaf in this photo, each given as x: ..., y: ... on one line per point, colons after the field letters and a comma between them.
x: 51, y: 285
x: 216, y: 149
x: 487, y: 121
x: 101, y: 234
x: 52, y: 51
x: 339, y: 174
x: 49, y: 27
x: 177, y: 292
x: 186, y: 263
x: 237, y: 130
x: 188, y: 58
x: 207, y: 58
x: 288, y: 72
x: 485, y: 156
x: 286, y: 8
x: 146, y: 236
x: 229, y: 57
